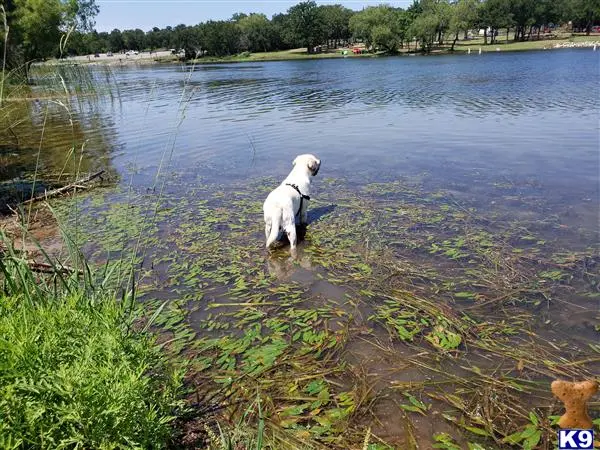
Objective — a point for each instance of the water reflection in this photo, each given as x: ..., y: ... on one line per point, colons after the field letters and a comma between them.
x: 70, y: 138
x: 283, y: 268
x: 524, y: 115
x: 497, y: 85
x: 457, y: 118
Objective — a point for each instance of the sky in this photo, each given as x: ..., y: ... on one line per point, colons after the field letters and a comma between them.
x: 146, y: 14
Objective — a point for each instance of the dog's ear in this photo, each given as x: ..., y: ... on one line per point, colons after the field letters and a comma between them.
x: 313, y: 166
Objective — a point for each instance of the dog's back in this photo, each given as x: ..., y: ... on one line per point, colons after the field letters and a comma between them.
x: 279, y: 215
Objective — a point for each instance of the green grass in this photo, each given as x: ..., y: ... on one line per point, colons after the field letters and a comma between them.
x: 512, y: 46
x: 282, y: 55
x: 75, y: 371
x: 461, y: 46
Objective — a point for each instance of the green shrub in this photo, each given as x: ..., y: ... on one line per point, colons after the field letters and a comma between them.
x: 73, y: 375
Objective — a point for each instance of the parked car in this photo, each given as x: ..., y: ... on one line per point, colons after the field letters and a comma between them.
x: 109, y: 54
x: 96, y: 55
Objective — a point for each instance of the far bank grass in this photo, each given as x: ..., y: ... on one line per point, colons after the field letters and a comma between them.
x: 461, y: 46
x: 511, y: 46
x: 283, y: 55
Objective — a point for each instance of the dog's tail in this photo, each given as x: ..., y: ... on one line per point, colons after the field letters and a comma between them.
x: 275, y: 221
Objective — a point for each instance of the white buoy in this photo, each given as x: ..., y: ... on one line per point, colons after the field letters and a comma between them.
x: 480, y: 50
x: 469, y: 52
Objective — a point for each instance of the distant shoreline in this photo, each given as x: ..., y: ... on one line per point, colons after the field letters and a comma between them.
x: 461, y: 48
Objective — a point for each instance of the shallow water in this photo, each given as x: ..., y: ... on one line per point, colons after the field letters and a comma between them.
x: 453, y: 236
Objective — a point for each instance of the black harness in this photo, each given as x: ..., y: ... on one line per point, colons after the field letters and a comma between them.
x: 302, y: 196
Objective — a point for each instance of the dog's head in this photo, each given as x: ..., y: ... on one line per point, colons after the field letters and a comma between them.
x: 311, y: 162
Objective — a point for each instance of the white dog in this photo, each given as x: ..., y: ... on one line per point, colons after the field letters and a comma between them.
x: 289, y: 201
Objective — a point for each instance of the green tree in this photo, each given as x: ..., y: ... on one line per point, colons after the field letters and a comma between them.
x: 495, y: 14
x: 442, y: 12
x: 95, y: 42
x: 36, y: 26
x: 77, y: 44
x: 546, y: 12
x: 154, y: 39
x: 385, y: 39
x: 362, y: 24
x: 307, y: 24
x: 282, y: 36
x: 133, y: 39
x: 430, y: 21
x: 403, y: 22
x: 167, y: 36
x: 424, y: 28
x: 523, y: 15
x: 80, y: 14
x: 115, y: 40
x: 463, y: 17
x: 583, y: 13
x: 236, y: 17
x: 256, y: 33
x: 186, y: 38
x: 219, y: 38
x: 380, y: 27
x: 415, y: 10
x: 336, y: 19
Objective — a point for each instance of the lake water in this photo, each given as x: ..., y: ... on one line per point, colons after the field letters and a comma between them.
x: 454, y: 230
x: 459, y: 122
x: 527, y: 116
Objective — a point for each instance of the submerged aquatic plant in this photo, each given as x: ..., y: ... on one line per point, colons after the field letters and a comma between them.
x: 459, y: 321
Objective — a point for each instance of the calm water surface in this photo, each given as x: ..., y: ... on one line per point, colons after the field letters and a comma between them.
x: 527, y: 119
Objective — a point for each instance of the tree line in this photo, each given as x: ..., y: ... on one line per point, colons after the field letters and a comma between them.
x: 35, y: 29
x: 46, y: 28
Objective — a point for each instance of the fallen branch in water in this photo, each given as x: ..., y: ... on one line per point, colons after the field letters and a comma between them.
x: 49, y: 268
x: 36, y: 266
x: 75, y: 185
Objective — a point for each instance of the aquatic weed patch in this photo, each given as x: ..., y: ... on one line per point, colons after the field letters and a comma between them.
x: 463, y: 310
